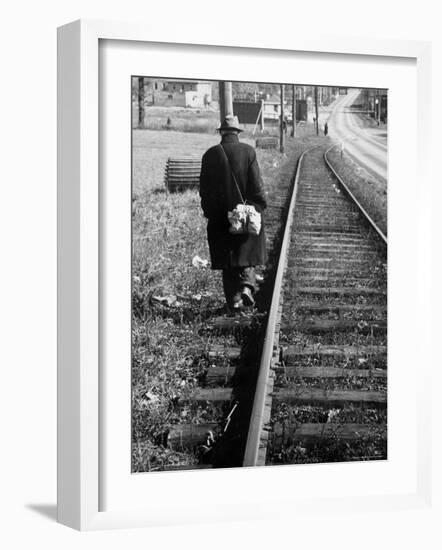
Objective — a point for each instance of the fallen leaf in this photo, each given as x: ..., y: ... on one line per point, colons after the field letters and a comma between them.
x: 199, y: 263
x: 164, y: 300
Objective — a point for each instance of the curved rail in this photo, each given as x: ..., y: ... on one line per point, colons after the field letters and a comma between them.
x: 353, y: 198
x: 251, y: 454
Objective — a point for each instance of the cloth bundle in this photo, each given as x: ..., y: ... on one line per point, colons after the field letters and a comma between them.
x: 244, y: 219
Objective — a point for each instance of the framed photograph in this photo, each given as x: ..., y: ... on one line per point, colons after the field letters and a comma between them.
x: 232, y: 323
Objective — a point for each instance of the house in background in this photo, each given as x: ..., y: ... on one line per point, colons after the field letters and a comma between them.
x: 178, y: 93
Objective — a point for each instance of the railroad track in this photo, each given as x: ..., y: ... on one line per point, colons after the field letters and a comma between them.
x: 304, y: 380
x: 321, y: 393
x: 226, y: 390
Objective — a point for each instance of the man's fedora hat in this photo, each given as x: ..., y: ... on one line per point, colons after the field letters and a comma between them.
x: 230, y: 122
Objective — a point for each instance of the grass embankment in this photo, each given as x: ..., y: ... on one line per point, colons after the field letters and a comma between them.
x: 173, y: 301
x: 168, y: 231
x: 181, y: 119
x: 370, y: 192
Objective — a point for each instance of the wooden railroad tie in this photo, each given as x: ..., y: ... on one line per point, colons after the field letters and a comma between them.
x: 226, y: 324
x: 315, y: 307
x: 213, y: 395
x: 292, y: 353
x: 349, y: 291
x: 290, y: 432
x: 183, y: 436
x: 223, y: 375
x: 335, y: 325
x: 338, y: 398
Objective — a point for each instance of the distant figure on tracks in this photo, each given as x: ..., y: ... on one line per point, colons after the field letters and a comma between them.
x: 230, y: 177
x: 325, y: 128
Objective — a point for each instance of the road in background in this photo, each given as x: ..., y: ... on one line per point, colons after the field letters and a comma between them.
x: 359, y: 135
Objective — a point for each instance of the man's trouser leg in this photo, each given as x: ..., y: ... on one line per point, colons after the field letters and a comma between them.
x: 234, y: 279
x: 231, y: 286
x: 247, y: 277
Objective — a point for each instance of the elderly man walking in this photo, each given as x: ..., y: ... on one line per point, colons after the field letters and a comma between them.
x: 229, y: 176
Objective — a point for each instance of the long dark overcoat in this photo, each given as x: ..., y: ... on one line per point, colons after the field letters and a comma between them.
x: 219, y: 194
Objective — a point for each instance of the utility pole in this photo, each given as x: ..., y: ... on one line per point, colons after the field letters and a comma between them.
x: 293, y: 110
x: 141, y: 96
x: 379, y: 107
x: 281, y: 121
x: 262, y: 115
x: 376, y: 101
x: 225, y: 99
x: 316, y: 110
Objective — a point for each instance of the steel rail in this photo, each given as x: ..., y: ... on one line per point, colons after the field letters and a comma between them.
x: 353, y: 198
x: 251, y: 453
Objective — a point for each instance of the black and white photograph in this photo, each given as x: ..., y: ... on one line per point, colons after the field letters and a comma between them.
x: 259, y: 274
x: 221, y: 279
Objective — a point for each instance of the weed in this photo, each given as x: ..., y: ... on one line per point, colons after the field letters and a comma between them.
x: 370, y: 192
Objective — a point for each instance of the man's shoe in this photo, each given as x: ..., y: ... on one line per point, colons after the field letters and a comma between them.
x: 236, y: 297
x: 238, y: 305
x: 247, y: 296
x: 235, y: 307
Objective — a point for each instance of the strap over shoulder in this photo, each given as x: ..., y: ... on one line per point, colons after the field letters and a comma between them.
x: 233, y: 175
